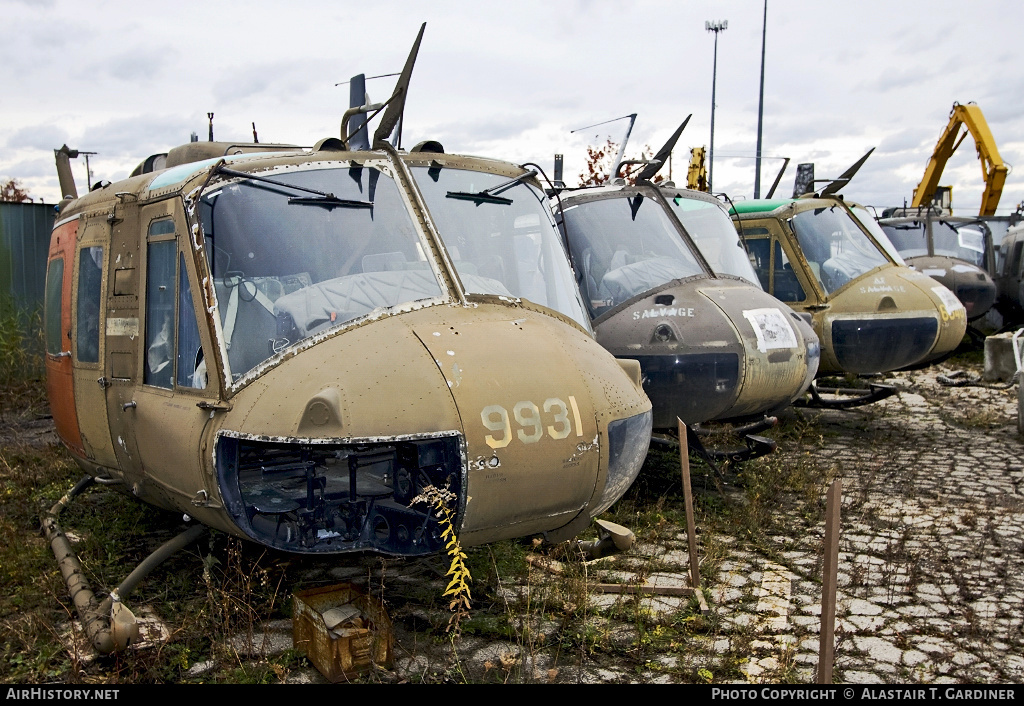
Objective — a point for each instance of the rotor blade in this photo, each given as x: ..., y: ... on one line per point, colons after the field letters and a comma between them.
x: 396, y: 104
x: 659, y: 159
x: 845, y: 177
x: 778, y: 178
x: 622, y: 147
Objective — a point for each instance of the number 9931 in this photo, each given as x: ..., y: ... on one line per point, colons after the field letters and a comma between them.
x: 554, y: 418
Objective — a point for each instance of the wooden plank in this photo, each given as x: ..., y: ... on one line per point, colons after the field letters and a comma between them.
x: 644, y: 589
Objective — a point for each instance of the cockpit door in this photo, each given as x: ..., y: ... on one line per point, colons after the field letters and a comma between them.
x: 89, y: 345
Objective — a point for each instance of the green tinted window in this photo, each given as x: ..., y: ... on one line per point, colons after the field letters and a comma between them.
x: 53, y: 311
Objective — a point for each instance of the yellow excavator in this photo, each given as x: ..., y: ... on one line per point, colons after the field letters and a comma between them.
x: 992, y: 166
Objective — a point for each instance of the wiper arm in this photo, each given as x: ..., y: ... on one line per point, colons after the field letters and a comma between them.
x: 322, y: 198
x: 330, y: 201
x: 491, y: 195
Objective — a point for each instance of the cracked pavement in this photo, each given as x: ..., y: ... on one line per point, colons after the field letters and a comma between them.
x: 930, y: 586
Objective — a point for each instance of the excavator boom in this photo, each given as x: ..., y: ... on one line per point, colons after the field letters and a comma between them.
x: 993, y: 169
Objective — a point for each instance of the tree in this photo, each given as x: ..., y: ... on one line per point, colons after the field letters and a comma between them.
x: 11, y: 190
x: 599, y: 165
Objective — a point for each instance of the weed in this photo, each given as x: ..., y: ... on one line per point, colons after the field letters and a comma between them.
x: 457, y: 589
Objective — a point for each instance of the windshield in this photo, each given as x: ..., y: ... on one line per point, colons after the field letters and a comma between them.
x: 961, y: 241
x: 911, y: 239
x: 503, y: 242
x: 964, y: 242
x: 287, y: 265
x: 835, y: 247
x: 715, y: 236
x: 623, y: 246
x: 871, y: 225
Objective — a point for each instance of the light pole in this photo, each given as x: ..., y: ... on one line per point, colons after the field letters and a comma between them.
x: 715, y: 27
x: 760, y: 107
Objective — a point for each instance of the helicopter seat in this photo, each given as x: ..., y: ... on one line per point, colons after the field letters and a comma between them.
x: 589, y: 287
x: 248, y: 318
x: 335, y: 301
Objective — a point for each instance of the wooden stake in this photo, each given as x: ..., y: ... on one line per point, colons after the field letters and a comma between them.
x: 691, y: 524
x: 830, y: 571
x: 691, y: 528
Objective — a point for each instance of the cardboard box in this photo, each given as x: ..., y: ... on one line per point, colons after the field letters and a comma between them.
x: 339, y: 658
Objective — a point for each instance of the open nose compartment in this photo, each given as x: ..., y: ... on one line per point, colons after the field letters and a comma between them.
x: 313, y: 497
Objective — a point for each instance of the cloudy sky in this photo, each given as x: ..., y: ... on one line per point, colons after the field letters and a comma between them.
x: 513, y: 80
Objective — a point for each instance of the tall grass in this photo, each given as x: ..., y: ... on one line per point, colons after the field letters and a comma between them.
x: 21, y: 359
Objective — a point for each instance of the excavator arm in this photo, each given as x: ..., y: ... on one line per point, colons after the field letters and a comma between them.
x: 993, y: 169
x: 697, y: 173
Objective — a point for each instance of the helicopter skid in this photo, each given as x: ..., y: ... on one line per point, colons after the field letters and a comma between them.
x: 753, y: 447
x: 844, y: 397
x: 755, y: 427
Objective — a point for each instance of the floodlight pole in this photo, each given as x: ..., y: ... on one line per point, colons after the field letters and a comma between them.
x: 715, y: 27
x: 760, y: 107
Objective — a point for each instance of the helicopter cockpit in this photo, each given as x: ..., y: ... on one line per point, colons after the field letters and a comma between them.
x: 625, y: 246
x: 957, y: 240
x: 304, y: 251
x: 522, y: 254
x: 714, y: 235
x: 836, y: 249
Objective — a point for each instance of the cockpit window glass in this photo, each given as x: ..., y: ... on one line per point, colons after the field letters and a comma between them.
x: 963, y: 242
x: 501, y: 237
x: 871, y: 225
x: 160, y: 281
x: 623, y: 246
x: 835, y: 247
x: 90, y: 294
x: 910, y: 239
x: 319, y: 249
x: 714, y: 235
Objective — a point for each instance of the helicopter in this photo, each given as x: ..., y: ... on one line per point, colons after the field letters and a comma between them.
x: 1009, y: 272
x: 872, y: 313
x: 955, y: 251
x: 666, y: 281
x: 293, y: 345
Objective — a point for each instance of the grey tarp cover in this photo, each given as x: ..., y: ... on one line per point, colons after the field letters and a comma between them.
x: 629, y: 280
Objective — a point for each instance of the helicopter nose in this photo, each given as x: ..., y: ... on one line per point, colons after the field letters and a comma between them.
x: 975, y: 290
x: 779, y: 355
x: 690, y: 353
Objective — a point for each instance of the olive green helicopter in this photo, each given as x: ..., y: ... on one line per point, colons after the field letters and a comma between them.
x: 297, y: 346
x: 872, y: 313
x: 667, y: 282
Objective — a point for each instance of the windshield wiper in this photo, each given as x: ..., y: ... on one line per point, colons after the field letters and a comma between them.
x: 330, y: 201
x: 322, y: 198
x: 491, y: 195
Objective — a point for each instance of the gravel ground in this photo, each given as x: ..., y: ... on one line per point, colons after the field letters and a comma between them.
x: 930, y: 582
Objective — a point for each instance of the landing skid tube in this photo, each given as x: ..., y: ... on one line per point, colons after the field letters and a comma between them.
x: 844, y: 397
x: 109, y: 624
x: 754, y: 446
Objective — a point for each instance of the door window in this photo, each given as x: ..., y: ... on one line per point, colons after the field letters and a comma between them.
x: 54, y: 284
x: 191, y: 370
x: 160, y: 282
x: 90, y: 280
x: 786, y: 285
